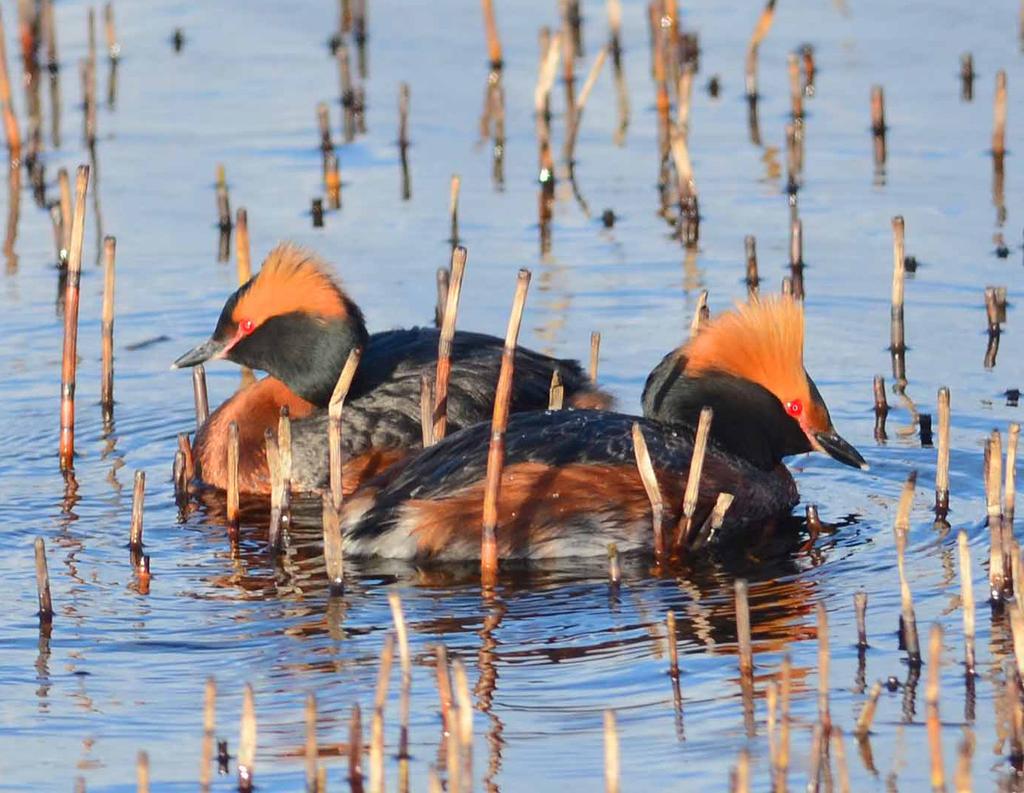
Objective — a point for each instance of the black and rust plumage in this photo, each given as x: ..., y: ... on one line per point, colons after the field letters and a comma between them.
x: 294, y: 321
x: 570, y: 484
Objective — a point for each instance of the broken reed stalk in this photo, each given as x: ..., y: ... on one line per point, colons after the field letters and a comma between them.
x: 312, y: 750
x: 796, y: 257
x: 999, y: 119
x: 69, y: 365
x: 897, y: 343
x: 611, y: 753
x: 334, y: 411
x: 334, y: 559
x: 541, y: 96
x: 113, y: 48
x: 966, y: 600
x: 860, y: 606
x: 651, y: 487
x: 764, y: 24
x: 576, y: 112
x: 107, y: 328
x: 932, y: 704
x: 138, y: 504
x: 881, y: 408
x: 752, y: 280
x: 401, y: 632
x: 491, y: 31
x: 900, y: 528
x: 556, y: 392
x: 332, y: 179
x: 355, y: 751
x: 700, y: 313
x: 243, y: 253
x: 444, y: 344
x: 247, y: 742
x: 10, y: 120
x: 994, y: 328
x: 377, y: 728
x: 43, y: 583
x: 595, y: 354
x: 743, y: 643
x: 274, y: 468
x: 209, y: 730
x: 942, y: 463
x: 185, y: 447
x: 689, y: 212
x: 824, y: 658
x: 232, y: 495
x: 878, y: 127
x: 967, y: 77
x: 700, y: 445
x: 796, y: 91
x: 993, y: 486
x: 714, y: 522
x: 284, y: 452
x: 199, y: 395
x: 223, y: 202
x: 867, y: 713
x: 499, y: 421
x: 453, y: 208
x: 426, y: 411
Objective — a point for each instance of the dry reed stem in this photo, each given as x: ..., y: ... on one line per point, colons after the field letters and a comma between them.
x: 232, y: 496
x: 993, y: 487
x: 595, y: 355
x: 142, y: 773
x: 223, y: 201
x: 453, y: 207
x: 334, y: 558
x: 499, y: 421
x: 942, y: 462
x: 10, y: 120
x: 444, y: 344
x: 611, y: 753
x: 542, y: 93
x: 745, y: 650
x: 897, y: 344
x: 764, y: 24
x: 824, y: 658
x: 932, y: 704
x: 752, y: 279
x: 900, y: 529
x: 700, y: 445
x: 355, y: 751
x: 796, y: 92
x: 684, y: 93
x: 966, y: 599
x: 651, y: 487
x: 185, y: 447
x: 43, y: 583
x: 107, y: 327
x: 1010, y: 489
x: 839, y: 752
x: 999, y: 117
x: 243, y: 253
x: 199, y: 395
x: 444, y: 687
x: 377, y: 728
x: 334, y: 427
x: 881, y: 408
x: 867, y: 713
x: 714, y: 522
x: 395, y: 601
x: 209, y: 729
x: 556, y: 392
x: 113, y: 48
x: 426, y: 412
x: 274, y: 468
x: 671, y: 636
x: 332, y: 179
x: 247, y: 741
x: 741, y: 773
x: 860, y: 606
x: 284, y: 450
x: 69, y: 364
x: 138, y: 504
x: 576, y: 116
x: 814, y: 765
x: 699, y: 313
x: 878, y: 126
x: 491, y: 31
x: 312, y: 749
x: 64, y: 185
x: 464, y: 724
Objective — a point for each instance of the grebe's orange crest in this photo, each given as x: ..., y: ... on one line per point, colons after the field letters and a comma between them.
x: 761, y: 341
x: 291, y: 279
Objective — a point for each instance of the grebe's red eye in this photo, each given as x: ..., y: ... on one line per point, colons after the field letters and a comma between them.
x: 246, y: 326
x: 795, y: 408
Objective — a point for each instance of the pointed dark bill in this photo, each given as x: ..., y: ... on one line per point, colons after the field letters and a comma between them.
x: 838, y: 449
x: 200, y: 354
